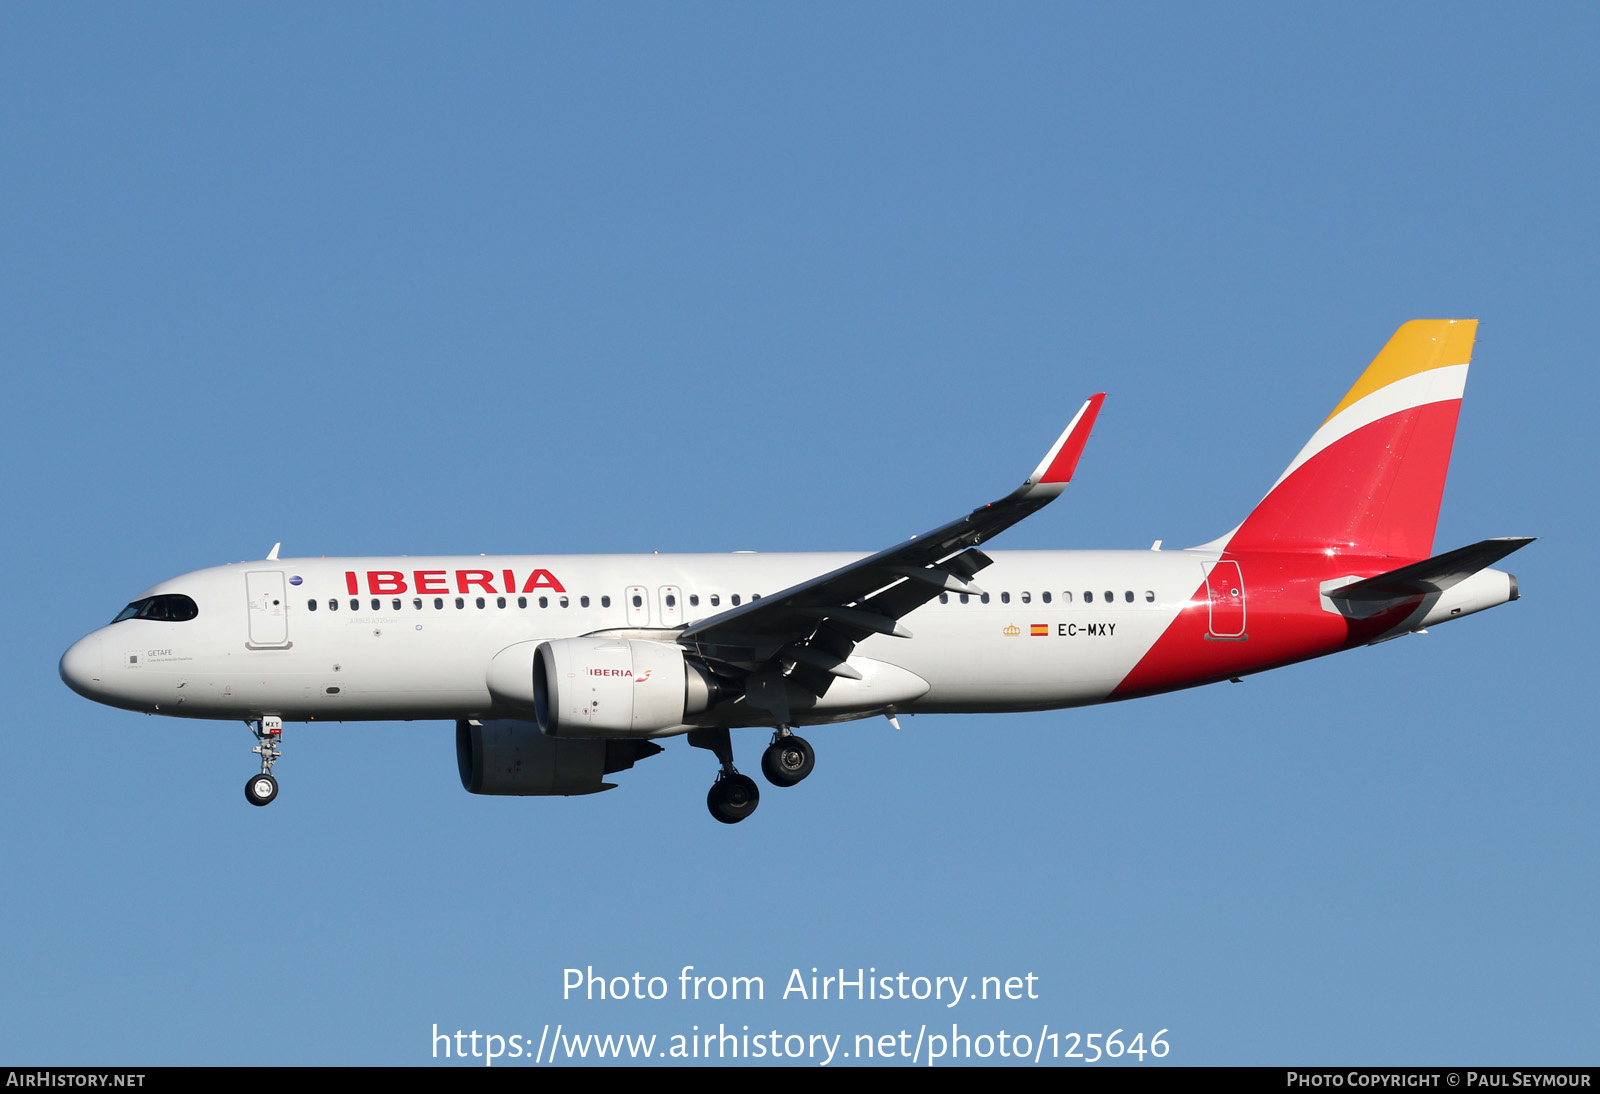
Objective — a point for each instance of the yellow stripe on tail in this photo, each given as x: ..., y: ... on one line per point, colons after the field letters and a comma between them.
x: 1418, y: 346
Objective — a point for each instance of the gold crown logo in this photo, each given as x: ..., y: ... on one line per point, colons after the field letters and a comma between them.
x: 1013, y: 630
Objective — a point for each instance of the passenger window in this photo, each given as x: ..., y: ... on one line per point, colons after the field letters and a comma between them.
x: 544, y: 602
x: 461, y: 602
x: 984, y: 598
x: 377, y: 605
x: 734, y: 600
x: 398, y: 603
x: 964, y: 598
x: 311, y: 605
x: 480, y: 601
x: 1005, y: 598
x: 522, y: 602
x: 605, y: 602
x: 1128, y: 596
x: 438, y: 603
x: 583, y: 601
x: 1111, y: 597
x: 1150, y: 596
x: 1045, y: 597
x: 1088, y: 597
x: 1026, y: 597
x: 333, y: 605
x: 694, y: 600
x: 565, y: 602
x: 638, y: 601
x: 417, y: 603
x: 1066, y: 598
x: 715, y: 600
x: 355, y: 605
x: 499, y: 601
x: 672, y: 601
x: 944, y: 598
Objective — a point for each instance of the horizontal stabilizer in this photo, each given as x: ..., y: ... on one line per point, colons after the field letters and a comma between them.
x: 1431, y: 575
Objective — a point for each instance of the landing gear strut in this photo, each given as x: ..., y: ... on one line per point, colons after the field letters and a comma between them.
x: 788, y: 759
x: 733, y: 797
x: 263, y: 788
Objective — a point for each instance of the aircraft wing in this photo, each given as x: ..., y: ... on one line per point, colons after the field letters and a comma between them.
x: 813, y: 627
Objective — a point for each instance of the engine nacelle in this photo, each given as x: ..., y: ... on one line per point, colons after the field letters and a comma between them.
x: 617, y: 687
x: 512, y: 757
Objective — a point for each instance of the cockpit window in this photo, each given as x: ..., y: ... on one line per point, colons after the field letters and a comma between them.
x: 171, y: 608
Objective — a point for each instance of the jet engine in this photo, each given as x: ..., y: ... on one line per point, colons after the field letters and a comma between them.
x: 512, y: 757
x: 610, y: 687
x: 602, y: 687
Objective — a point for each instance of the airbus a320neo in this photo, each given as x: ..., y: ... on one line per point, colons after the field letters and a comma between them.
x: 561, y: 670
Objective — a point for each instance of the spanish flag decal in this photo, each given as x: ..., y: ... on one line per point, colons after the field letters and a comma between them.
x: 1038, y: 630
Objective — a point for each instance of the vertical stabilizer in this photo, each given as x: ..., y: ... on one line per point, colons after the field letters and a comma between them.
x: 1370, y: 479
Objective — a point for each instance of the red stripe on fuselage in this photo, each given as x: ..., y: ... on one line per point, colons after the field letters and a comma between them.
x: 1366, y: 504
x: 1286, y: 623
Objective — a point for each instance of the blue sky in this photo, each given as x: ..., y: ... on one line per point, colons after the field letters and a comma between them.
x: 516, y: 278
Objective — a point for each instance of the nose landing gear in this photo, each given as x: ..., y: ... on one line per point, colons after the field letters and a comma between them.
x: 263, y: 788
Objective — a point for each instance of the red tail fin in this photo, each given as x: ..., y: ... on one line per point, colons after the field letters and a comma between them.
x: 1370, y: 480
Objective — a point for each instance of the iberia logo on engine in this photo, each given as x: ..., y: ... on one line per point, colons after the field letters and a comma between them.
x: 641, y: 678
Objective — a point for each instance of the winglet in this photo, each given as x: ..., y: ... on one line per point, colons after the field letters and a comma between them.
x: 1062, y: 459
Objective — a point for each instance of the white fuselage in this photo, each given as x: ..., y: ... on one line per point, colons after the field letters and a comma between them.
x: 1058, y: 628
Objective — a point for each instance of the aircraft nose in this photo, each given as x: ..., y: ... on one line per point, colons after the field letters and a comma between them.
x: 82, y: 667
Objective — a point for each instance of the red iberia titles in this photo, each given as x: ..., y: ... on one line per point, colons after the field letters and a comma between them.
x: 384, y: 582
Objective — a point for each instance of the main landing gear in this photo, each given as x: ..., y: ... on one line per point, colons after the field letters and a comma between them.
x: 788, y: 759
x: 733, y: 797
x: 263, y: 788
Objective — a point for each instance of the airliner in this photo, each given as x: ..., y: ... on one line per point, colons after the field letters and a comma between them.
x: 561, y: 670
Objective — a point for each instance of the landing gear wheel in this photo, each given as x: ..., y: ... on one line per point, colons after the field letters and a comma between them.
x: 733, y: 798
x: 261, y: 789
x: 787, y: 760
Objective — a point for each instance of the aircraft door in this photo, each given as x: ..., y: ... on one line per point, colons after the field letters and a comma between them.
x: 269, y: 610
x: 1225, y: 587
x: 637, y: 599
x: 671, y: 606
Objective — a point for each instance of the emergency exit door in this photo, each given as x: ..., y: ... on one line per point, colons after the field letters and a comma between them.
x: 1225, y: 586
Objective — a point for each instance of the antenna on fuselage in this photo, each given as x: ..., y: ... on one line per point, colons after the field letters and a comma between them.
x: 272, y: 555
